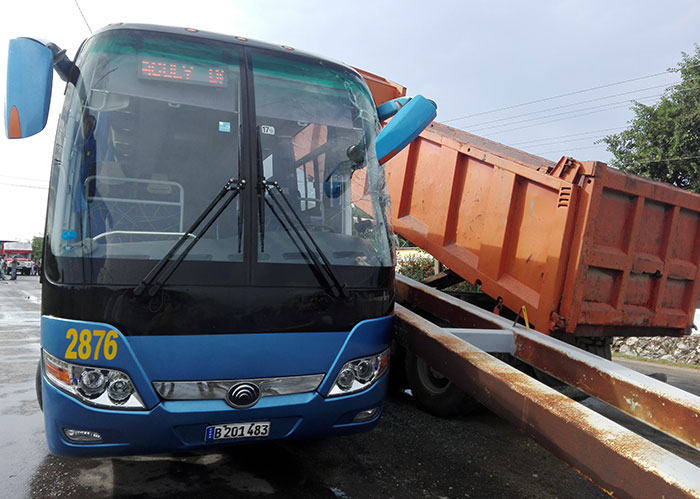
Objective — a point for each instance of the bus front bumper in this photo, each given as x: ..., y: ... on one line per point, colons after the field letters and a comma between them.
x: 175, y: 426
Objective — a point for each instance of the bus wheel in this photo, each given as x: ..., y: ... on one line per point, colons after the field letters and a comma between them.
x: 433, y: 392
x: 37, y: 385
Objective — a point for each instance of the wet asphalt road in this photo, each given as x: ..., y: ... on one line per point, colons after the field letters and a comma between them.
x: 410, y: 454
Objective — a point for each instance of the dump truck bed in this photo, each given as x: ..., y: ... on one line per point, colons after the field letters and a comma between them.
x: 586, y: 248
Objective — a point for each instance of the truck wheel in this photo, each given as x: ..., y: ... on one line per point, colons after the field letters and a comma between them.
x: 433, y: 392
x: 37, y: 385
x: 599, y: 346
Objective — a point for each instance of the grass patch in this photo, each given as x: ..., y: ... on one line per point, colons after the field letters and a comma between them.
x: 655, y: 361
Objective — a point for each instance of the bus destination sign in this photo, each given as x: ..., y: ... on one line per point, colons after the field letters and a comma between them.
x: 176, y: 71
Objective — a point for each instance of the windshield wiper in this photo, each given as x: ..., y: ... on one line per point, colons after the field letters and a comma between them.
x: 261, y: 192
x: 161, y: 272
x: 322, y: 269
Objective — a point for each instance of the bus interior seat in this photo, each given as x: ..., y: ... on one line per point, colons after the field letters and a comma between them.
x: 124, y: 204
x: 159, y: 186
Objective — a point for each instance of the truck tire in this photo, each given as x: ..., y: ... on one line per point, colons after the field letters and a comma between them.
x: 434, y: 393
x: 599, y: 346
x: 37, y: 385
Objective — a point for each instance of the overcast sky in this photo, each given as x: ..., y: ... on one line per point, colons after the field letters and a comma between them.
x: 471, y: 57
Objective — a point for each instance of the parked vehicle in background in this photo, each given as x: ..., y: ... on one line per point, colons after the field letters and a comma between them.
x: 22, y: 252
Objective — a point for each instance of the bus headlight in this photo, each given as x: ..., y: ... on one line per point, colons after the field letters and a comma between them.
x: 120, y: 388
x: 92, y: 383
x: 108, y: 388
x: 359, y: 374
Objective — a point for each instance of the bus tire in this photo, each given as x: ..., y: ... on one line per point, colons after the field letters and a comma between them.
x: 434, y: 393
x: 37, y: 385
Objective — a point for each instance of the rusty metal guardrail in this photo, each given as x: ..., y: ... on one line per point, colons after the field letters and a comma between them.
x: 612, y: 456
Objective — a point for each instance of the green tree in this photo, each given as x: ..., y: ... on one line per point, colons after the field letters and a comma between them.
x: 37, y: 247
x: 663, y: 140
x: 403, y: 242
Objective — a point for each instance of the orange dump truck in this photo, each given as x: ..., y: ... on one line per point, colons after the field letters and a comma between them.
x: 587, y: 249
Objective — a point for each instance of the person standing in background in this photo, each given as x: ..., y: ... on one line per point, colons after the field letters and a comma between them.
x: 13, y: 267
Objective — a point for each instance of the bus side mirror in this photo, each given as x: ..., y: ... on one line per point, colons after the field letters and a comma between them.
x: 390, y: 108
x: 409, y: 121
x: 29, y: 79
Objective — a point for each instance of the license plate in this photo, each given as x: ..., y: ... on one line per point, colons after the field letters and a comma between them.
x: 257, y: 429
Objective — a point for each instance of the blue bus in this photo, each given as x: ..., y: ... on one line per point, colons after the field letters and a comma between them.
x: 218, y: 263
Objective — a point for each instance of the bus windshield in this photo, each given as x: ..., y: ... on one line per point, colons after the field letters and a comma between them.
x: 155, y: 125
x: 315, y: 129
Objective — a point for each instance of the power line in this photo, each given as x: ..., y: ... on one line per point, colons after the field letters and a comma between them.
x: 569, y: 105
x: 557, y: 96
x: 567, y: 141
x: 625, y: 102
x: 538, y: 142
x: 570, y: 135
x: 561, y: 95
x: 24, y: 185
x: 81, y: 13
x: 668, y: 159
x: 694, y: 88
x: 560, y: 119
x: 570, y: 149
x: 24, y: 178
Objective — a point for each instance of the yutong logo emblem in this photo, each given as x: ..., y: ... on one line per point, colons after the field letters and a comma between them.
x: 243, y: 395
